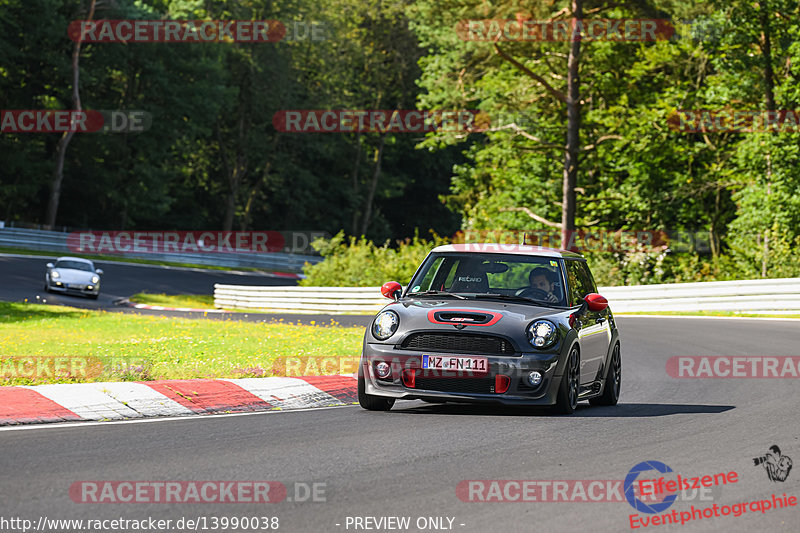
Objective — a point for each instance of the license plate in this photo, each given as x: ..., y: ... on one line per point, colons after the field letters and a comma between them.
x: 477, y: 365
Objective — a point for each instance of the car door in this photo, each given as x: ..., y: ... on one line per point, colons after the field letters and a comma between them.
x: 594, y: 332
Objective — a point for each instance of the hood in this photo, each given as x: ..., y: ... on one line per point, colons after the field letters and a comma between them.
x: 68, y: 275
x: 449, y: 314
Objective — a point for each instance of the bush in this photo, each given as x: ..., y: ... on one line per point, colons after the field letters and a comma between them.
x: 351, y: 262
x: 361, y: 263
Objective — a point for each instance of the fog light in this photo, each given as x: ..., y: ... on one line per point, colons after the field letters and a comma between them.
x: 89, y: 287
x: 534, y: 378
x: 383, y: 369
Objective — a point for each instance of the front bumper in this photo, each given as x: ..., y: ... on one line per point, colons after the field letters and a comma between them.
x: 74, y: 288
x: 451, y: 385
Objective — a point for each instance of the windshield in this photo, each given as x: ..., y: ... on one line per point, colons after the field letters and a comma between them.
x: 536, y: 278
x: 75, y: 265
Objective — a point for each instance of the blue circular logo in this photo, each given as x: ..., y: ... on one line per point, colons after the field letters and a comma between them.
x: 630, y: 482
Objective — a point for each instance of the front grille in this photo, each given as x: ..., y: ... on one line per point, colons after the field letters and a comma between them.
x: 458, y: 343
x: 465, y: 385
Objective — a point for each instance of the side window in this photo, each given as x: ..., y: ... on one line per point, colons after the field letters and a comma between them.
x: 587, y: 274
x: 580, y: 281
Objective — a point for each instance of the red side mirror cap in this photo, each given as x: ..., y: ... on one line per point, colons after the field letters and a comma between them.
x: 392, y: 290
x: 595, y: 302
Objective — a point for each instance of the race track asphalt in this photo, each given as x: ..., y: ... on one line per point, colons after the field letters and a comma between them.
x: 23, y: 279
x: 409, y: 461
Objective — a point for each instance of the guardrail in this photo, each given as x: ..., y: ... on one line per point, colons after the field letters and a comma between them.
x: 330, y: 300
x: 754, y: 296
x: 56, y: 242
x: 777, y: 296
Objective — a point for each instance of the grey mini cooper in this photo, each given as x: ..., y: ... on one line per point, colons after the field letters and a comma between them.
x: 513, y: 324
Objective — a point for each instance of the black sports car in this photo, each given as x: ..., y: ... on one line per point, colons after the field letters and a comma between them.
x: 514, y: 324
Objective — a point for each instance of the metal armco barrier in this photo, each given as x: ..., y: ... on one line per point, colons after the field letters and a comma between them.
x: 779, y: 296
x: 56, y: 242
x: 329, y: 300
x: 754, y: 296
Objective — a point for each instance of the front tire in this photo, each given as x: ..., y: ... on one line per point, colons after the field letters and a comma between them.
x: 567, y: 396
x: 368, y: 401
x: 613, y: 381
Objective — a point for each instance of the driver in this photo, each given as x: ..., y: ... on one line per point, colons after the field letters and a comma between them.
x: 542, y: 279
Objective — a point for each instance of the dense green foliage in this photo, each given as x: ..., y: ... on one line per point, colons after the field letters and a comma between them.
x: 361, y: 263
x: 212, y: 158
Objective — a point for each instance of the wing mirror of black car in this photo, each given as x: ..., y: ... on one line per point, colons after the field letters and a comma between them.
x: 392, y: 290
x: 591, y: 302
x: 99, y: 271
x: 595, y: 302
x: 50, y: 265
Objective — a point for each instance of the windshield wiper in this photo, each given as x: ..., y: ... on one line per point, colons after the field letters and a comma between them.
x: 515, y: 298
x: 437, y: 293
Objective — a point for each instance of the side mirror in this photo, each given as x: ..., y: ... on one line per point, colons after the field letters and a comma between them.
x: 392, y: 290
x: 595, y: 302
x: 50, y: 265
x: 98, y: 271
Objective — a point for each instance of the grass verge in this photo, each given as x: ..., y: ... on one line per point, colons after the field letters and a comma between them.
x: 50, y: 344
x: 202, y: 301
x: 196, y: 301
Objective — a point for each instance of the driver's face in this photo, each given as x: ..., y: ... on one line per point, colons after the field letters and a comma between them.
x: 541, y: 283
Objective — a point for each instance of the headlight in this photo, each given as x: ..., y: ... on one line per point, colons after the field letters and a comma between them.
x: 385, y: 325
x: 542, y: 334
x: 95, y: 279
x: 55, y: 274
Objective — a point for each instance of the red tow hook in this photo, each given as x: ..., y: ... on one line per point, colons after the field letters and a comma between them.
x: 501, y: 383
x: 409, y: 377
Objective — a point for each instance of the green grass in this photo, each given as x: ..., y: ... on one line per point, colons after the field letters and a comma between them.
x: 126, y: 347
x: 710, y: 313
x: 197, y: 301
x: 200, y: 301
x: 116, y: 258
